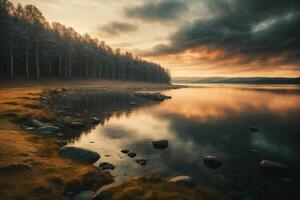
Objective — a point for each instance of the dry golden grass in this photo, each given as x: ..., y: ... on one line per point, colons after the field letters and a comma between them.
x: 154, y: 188
x: 30, y: 167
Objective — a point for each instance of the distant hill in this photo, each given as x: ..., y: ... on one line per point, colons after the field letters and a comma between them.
x: 237, y: 80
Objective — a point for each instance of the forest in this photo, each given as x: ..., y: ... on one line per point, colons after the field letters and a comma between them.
x: 33, y: 48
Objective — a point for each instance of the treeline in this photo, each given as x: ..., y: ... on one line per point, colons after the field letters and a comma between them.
x: 31, y: 47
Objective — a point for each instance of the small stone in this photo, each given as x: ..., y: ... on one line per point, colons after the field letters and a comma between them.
x: 160, y: 144
x: 125, y: 151
x: 60, y: 134
x: 212, y: 162
x: 132, y: 103
x: 36, y: 123
x: 183, y: 180
x: 95, y: 120
x: 272, y: 167
x: 76, y: 124
x: 131, y: 155
x: 106, y: 166
x: 48, y: 129
x: 62, y: 142
x: 67, y: 120
x: 30, y: 128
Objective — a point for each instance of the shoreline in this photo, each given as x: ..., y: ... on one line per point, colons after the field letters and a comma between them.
x: 30, y: 167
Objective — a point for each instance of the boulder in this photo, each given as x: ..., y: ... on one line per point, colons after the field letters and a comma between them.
x: 160, y: 144
x: 212, y: 162
x: 106, y: 166
x: 272, y: 167
x: 48, y: 129
x: 79, y: 154
x: 183, y: 180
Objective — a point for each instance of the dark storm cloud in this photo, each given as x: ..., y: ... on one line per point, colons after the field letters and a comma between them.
x: 115, y: 28
x: 253, y: 28
x: 164, y: 10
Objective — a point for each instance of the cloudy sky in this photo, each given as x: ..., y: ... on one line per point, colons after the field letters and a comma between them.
x: 192, y: 37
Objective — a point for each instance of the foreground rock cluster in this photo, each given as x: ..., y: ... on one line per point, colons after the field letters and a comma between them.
x: 152, y: 96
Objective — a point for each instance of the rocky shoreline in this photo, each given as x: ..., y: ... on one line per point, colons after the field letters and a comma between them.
x: 65, y: 119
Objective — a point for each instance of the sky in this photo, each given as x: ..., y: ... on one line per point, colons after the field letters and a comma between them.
x: 192, y: 37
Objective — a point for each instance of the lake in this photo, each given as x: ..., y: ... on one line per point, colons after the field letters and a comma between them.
x: 198, y: 121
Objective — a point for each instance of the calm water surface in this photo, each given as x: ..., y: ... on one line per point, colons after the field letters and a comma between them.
x: 209, y: 120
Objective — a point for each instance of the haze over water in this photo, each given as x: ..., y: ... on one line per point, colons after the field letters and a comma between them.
x: 208, y: 120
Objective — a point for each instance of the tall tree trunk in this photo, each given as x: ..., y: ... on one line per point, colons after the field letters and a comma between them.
x: 37, y: 62
x: 86, y: 68
x: 70, y: 70
x: 50, y: 70
x: 11, y: 60
x: 99, y: 72
x: 59, y: 66
x: 26, y: 60
x: 66, y: 70
x: 113, y: 72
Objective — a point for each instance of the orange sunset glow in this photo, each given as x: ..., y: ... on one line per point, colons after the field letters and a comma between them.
x: 221, y: 102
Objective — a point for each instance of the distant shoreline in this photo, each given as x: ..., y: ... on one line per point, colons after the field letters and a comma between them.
x: 237, y: 80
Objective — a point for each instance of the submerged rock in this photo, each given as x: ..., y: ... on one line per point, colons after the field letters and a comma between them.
x: 106, y: 166
x: 212, y: 162
x: 48, y: 129
x: 183, y: 180
x: 272, y: 167
x: 131, y: 155
x: 125, y: 151
x: 160, y: 144
x: 141, y: 162
x: 79, y: 154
